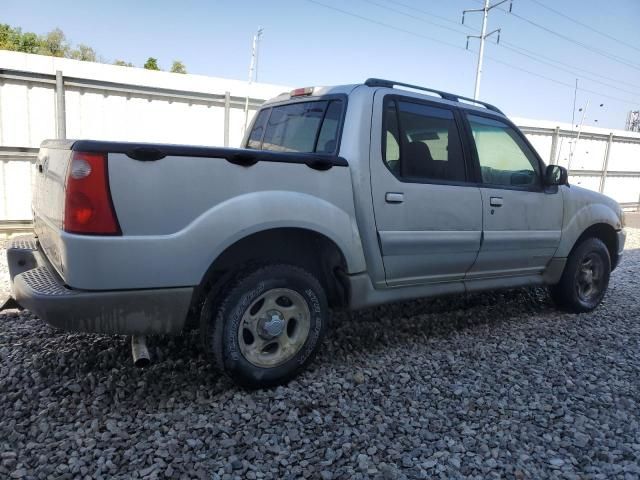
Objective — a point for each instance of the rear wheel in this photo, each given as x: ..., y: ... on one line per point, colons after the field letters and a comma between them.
x: 585, y: 278
x: 267, y: 326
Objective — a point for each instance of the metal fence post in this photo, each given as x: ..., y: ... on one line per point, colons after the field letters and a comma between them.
x: 227, y: 115
x: 605, y: 164
x: 61, y: 116
x: 553, y: 160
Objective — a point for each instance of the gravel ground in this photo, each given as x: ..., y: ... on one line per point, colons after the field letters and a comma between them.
x: 497, y: 385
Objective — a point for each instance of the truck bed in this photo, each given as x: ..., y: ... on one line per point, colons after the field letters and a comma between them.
x: 180, y: 206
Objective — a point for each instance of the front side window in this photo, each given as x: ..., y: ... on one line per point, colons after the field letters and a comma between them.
x: 422, y: 142
x: 505, y: 159
x: 302, y: 127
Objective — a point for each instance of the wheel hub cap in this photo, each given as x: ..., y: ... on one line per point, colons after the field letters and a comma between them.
x: 272, y: 325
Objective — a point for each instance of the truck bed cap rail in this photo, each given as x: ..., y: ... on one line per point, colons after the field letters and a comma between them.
x: 150, y: 152
x: 378, y: 82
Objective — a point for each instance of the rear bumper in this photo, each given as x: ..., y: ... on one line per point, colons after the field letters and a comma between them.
x: 37, y: 287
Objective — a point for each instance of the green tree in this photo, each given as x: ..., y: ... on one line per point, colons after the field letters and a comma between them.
x: 29, y: 42
x: 151, y: 64
x: 14, y: 39
x: 178, y: 67
x: 122, y: 63
x: 84, y: 52
x: 55, y: 44
x: 8, y: 37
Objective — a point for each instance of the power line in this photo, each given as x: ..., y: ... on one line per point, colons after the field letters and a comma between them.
x: 590, y: 48
x: 386, y: 25
x: 570, y: 18
x: 559, y: 82
x: 554, y: 80
x: 381, y: 5
x: 516, y: 50
x: 415, y: 34
x: 573, y: 67
x: 411, y: 7
x: 563, y: 65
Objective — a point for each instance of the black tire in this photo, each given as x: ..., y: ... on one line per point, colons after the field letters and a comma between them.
x: 224, y: 318
x: 572, y: 292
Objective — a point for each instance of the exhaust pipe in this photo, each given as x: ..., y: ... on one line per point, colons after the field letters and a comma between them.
x: 139, y: 351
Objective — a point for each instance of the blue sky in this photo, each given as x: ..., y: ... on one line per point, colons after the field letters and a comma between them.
x: 417, y: 41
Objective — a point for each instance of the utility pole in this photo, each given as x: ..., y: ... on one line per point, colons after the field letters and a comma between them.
x: 573, y: 115
x: 483, y: 36
x: 573, y: 123
x: 575, y: 144
x: 253, y: 66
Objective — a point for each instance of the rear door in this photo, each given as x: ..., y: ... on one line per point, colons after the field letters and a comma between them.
x: 428, y: 215
x: 522, y: 220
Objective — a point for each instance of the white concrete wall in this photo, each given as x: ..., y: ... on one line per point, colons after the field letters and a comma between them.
x: 129, y: 110
x: 27, y: 109
x: 108, y: 102
x: 590, y: 151
x: 16, y: 176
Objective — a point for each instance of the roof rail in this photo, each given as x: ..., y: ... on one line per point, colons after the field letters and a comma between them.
x: 378, y: 82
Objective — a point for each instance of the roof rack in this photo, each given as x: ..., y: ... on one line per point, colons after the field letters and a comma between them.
x: 378, y: 82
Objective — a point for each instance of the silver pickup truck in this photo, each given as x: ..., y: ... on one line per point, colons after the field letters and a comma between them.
x: 342, y: 197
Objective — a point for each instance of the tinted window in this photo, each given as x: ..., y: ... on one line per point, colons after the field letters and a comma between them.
x: 329, y: 132
x: 391, y: 138
x: 504, y: 157
x: 422, y: 142
x: 255, y: 139
x: 298, y: 127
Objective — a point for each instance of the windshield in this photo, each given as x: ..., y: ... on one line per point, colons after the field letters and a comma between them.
x: 303, y: 127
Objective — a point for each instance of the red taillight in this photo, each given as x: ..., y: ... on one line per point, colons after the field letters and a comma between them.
x: 88, y: 208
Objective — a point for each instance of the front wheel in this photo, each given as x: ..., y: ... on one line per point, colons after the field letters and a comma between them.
x: 585, y: 278
x: 268, y: 325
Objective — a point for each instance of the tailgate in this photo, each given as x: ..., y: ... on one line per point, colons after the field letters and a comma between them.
x: 48, y: 197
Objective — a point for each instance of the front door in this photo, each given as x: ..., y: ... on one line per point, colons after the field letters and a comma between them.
x: 522, y: 220
x: 428, y: 215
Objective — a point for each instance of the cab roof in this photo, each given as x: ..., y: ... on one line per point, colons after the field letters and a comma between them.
x: 381, y: 83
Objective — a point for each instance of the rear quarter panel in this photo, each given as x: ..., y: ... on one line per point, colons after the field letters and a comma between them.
x: 48, y: 198
x: 178, y: 214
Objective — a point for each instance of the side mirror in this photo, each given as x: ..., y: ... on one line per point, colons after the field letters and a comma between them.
x: 556, y: 175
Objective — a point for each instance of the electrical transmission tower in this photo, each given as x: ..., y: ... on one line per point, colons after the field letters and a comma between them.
x: 483, y: 36
x: 633, y: 121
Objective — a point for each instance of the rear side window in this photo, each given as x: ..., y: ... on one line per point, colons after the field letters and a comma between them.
x: 422, y: 142
x: 258, y: 129
x: 329, y: 132
x: 303, y: 127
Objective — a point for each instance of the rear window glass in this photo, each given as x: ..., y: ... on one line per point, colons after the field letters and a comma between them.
x: 303, y: 127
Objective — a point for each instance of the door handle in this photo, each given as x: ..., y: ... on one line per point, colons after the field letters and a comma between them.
x: 495, y: 201
x: 394, y: 197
